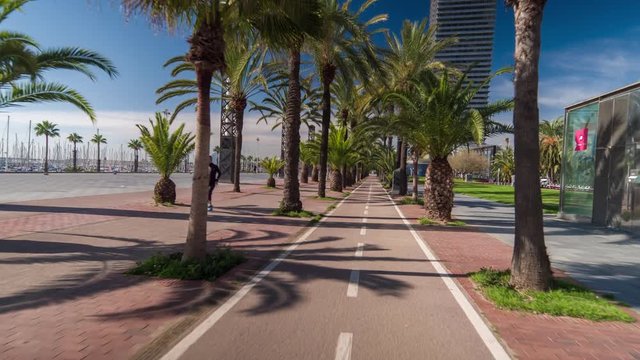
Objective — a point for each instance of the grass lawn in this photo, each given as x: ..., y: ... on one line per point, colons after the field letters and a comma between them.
x: 504, y: 194
x: 565, y: 299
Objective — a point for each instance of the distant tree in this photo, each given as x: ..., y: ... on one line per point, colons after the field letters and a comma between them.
x: 503, y: 165
x: 468, y: 162
x: 48, y: 129
x: 271, y: 165
x: 75, y: 138
x: 167, y: 149
x: 98, y: 139
x: 551, y: 148
x: 135, y: 145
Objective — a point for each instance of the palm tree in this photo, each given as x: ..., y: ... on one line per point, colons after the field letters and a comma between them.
x: 341, y: 154
x: 409, y: 54
x: 166, y: 149
x: 23, y: 64
x: 48, y: 129
x: 436, y: 112
x: 206, y: 53
x: 271, y: 165
x: 530, y: 266
x: 503, y: 165
x: 98, y: 139
x: 309, y: 157
x: 75, y: 138
x: 343, y: 45
x: 551, y: 147
x: 136, y: 145
x: 242, y: 79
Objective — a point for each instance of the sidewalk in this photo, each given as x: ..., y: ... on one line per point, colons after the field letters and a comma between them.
x: 528, y: 336
x: 605, y: 260
x: 63, y: 294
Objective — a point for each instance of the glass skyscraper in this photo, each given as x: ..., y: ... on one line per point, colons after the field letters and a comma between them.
x: 472, y: 22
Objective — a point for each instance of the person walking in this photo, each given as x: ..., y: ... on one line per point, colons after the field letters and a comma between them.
x: 214, y: 176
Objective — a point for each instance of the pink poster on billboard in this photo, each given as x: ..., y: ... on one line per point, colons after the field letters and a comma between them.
x: 581, y: 139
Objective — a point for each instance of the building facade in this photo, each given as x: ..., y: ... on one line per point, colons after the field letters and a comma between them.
x: 601, y: 160
x: 472, y: 22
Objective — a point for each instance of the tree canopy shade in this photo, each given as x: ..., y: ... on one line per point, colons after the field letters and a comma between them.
x: 47, y: 129
x: 167, y: 149
x: 23, y: 64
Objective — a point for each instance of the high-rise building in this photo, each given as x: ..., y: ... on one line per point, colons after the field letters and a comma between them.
x: 472, y: 22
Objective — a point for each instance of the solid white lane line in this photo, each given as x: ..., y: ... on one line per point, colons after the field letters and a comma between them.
x: 479, y: 325
x: 343, y: 349
x: 363, y: 230
x: 352, y: 289
x: 359, y: 249
x: 181, y: 347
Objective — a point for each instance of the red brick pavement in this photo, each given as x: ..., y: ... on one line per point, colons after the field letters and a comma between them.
x: 63, y: 294
x: 528, y: 336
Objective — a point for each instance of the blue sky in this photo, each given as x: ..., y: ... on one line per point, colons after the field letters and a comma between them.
x: 589, y: 46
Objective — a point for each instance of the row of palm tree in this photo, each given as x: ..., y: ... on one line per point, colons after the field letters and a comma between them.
x: 51, y: 130
x: 401, y: 92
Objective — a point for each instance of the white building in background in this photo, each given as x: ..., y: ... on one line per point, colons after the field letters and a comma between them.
x: 472, y: 22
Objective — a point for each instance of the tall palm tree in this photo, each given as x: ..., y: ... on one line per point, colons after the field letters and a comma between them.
x: 551, y: 147
x: 437, y: 114
x: 136, y: 145
x: 23, y: 64
x: 410, y: 53
x: 98, y: 139
x: 206, y: 53
x: 530, y: 266
x: 242, y: 79
x: 343, y: 45
x: 48, y: 129
x: 166, y: 149
x: 75, y: 138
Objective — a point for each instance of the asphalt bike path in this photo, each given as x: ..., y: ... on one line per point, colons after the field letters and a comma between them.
x: 356, y: 286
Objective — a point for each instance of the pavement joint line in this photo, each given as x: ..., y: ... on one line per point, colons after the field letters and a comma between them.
x: 190, y: 339
x: 487, y: 336
x: 354, y: 279
x: 343, y: 348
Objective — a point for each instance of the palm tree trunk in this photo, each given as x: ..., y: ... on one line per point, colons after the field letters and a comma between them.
x: 135, y: 161
x: 46, y: 154
x: 415, y: 175
x: 314, y: 173
x: 438, y: 190
x: 238, y: 107
x: 530, y: 267
x: 399, y: 152
x: 196, y: 244
x: 98, y: 157
x: 291, y: 194
x: 304, y: 174
x: 328, y: 74
x: 403, y: 168
x: 75, y: 158
x: 336, y: 180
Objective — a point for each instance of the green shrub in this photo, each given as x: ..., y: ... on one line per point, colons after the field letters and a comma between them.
x: 171, y: 266
x: 408, y: 200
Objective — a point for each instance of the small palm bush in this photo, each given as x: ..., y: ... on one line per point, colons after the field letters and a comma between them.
x: 166, y: 149
x: 271, y: 165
